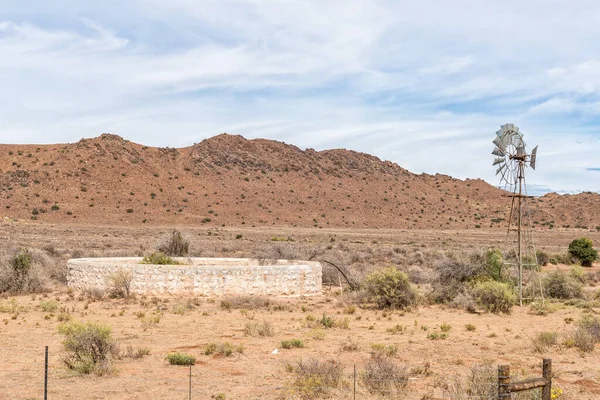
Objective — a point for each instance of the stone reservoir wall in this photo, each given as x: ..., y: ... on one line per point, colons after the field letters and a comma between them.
x: 201, y: 276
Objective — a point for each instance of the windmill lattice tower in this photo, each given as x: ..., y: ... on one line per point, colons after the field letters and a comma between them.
x: 512, y: 160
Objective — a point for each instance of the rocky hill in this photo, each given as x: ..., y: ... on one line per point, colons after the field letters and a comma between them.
x: 228, y: 180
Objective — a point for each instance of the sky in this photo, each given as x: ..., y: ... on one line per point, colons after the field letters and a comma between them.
x: 422, y: 83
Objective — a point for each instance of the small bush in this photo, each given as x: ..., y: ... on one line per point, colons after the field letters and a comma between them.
x: 382, y: 350
x: 292, y: 344
x: 470, y: 327
x: 90, y: 347
x: 181, y: 359
x: 224, y: 349
x: 543, y: 340
x: 382, y: 377
x: 49, y: 305
x: 495, y: 297
x: 558, y: 285
x: 159, y: 259
x: 316, y: 378
x: 482, y: 383
x: 582, y: 249
x: 464, y: 301
x: 262, y: 329
x: 543, y: 258
x: 22, y: 274
x: 350, y: 345
x: 390, y: 288
x: 175, y: 245
x: 120, y: 283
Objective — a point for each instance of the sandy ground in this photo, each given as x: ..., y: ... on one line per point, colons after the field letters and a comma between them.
x: 257, y: 373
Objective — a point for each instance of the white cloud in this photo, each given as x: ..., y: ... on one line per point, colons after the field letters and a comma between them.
x: 424, y: 84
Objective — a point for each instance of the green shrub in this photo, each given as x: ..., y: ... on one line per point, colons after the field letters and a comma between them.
x: 159, y: 259
x: 181, y: 359
x: 583, y: 250
x: 292, y: 344
x: 90, y: 347
x: 558, y: 285
x: 224, y: 349
x: 543, y: 258
x: 175, y: 245
x: 390, y: 288
x: 495, y: 297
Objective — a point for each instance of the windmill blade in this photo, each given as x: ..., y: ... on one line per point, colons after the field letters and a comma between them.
x: 500, y: 144
x: 533, y: 158
x: 498, y: 160
x: 499, y: 133
x: 500, y: 168
x: 498, y: 152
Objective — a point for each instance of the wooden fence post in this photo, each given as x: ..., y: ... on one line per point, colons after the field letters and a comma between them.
x: 503, y: 382
x: 547, y: 373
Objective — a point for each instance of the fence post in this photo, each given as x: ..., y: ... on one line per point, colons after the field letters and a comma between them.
x: 547, y: 373
x: 503, y: 382
x: 46, y: 374
x: 354, y: 381
x: 190, y: 381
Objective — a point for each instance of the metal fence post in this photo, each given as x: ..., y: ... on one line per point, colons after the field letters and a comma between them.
x: 46, y: 374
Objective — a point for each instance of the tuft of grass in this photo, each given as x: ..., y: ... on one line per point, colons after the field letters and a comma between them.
x: 445, y: 327
x: 382, y: 350
x: 181, y: 359
x: 437, y: 336
x: 223, y: 349
x: 292, y: 344
x: 262, y: 329
x: 49, y: 305
x: 470, y: 327
x: 543, y: 340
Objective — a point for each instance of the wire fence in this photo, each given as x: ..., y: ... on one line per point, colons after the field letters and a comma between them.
x: 48, y: 378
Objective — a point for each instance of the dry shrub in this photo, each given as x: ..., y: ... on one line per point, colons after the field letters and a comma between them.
x: 543, y: 340
x: 558, y: 285
x: 464, y: 301
x: 482, y: 383
x: 247, y: 302
x: 452, y: 274
x: 316, y: 379
x: 175, y: 245
x: 120, y: 284
x: 23, y: 272
x: 262, y: 329
x: 383, y: 377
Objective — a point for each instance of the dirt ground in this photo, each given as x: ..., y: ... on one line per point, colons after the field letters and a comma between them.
x: 257, y: 373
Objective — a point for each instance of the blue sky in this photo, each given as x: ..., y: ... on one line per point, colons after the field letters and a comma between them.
x: 422, y: 83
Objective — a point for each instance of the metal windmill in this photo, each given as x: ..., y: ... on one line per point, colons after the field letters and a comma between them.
x: 511, y: 161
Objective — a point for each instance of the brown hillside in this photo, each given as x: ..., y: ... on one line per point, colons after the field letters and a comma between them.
x: 228, y: 180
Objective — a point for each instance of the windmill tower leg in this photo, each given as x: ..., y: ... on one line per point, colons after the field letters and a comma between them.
x: 519, y: 238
